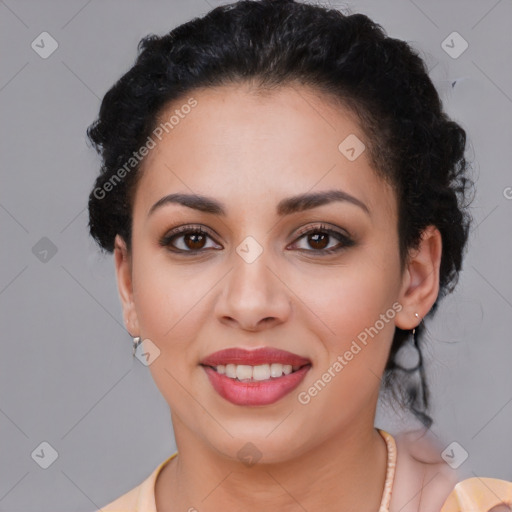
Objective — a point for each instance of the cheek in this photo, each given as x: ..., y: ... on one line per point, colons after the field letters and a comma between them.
x: 164, y: 293
x: 168, y: 305
x: 167, y: 300
x: 348, y: 301
x: 357, y: 310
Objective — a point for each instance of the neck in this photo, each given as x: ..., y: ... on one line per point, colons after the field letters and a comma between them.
x: 346, y: 472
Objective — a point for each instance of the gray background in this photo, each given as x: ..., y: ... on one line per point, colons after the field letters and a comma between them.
x: 67, y: 376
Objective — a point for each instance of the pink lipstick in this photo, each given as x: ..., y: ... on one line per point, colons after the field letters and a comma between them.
x: 255, y: 377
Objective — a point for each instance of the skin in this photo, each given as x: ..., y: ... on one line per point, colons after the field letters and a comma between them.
x: 250, y: 151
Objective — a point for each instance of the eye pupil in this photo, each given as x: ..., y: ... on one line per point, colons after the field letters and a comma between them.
x: 323, y: 243
x: 195, y: 241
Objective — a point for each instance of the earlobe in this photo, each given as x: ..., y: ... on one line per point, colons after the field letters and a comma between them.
x: 421, y: 279
x: 122, y: 260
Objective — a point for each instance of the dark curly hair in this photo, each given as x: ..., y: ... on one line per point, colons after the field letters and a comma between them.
x: 411, y: 142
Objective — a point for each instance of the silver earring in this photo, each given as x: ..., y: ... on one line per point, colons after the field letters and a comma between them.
x: 136, y: 342
x: 415, y: 344
x: 414, y: 330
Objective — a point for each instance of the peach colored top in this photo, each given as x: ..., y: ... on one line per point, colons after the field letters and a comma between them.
x: 471, y: 495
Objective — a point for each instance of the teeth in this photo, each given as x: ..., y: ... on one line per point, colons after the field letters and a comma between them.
x: 245, y: 372
x: 261, y: 372
x: 276, y: 369
x: 231, y: 371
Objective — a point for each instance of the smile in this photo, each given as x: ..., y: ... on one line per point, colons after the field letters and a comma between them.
x: 244, y: 372
x: 272, y: 375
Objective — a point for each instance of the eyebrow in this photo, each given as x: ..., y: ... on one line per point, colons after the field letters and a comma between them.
x: 286, y: 206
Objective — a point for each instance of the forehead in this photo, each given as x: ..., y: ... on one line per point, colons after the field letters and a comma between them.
x: 241, y: 143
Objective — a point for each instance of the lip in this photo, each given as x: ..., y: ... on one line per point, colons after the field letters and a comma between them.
x: 263, y: 392
x: 254, y: 357
x: 255, y: 393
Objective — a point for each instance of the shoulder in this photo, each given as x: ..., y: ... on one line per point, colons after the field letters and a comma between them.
x: 141, y: 498
x: 482, y: 494
x: 125, y: 503
x: 425, y: 482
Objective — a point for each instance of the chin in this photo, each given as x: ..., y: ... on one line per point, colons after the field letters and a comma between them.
x: 257, y: 447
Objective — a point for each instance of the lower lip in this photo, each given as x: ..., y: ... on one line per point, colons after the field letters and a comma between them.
x: 263, y: 392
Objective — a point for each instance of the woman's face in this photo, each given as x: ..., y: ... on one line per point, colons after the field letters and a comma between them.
x: 256, y: 279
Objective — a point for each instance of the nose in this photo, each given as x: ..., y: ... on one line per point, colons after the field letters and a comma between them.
x: 254, y: 297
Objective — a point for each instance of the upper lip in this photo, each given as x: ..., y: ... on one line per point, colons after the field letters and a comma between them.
x: 255, y: 357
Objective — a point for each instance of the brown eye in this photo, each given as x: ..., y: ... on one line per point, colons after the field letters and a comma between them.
x: 318, y: 241
x: 320, y: 238
x: 186, y: 239
x: 194, y: 241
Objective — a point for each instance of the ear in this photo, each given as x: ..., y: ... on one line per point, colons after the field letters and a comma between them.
x: 420, y: 282
x: 123, y: 264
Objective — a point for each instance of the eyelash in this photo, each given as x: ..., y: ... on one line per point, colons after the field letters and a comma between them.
x: 166, y: 240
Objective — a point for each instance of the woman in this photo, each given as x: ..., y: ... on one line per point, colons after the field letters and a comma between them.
x: 285, y: 201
